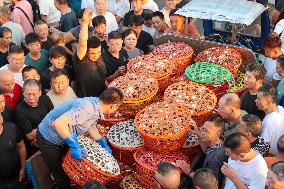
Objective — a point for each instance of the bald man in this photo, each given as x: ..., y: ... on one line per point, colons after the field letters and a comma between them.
x: 12, y: 91
x: 229, y: 108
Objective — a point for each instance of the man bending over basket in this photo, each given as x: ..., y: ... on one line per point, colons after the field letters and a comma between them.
x: 62, y: 125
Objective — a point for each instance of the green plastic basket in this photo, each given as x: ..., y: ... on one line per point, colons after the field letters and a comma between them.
x: 204, y: 72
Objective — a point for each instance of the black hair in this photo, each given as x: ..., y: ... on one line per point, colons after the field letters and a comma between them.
x: 128, y: 31
x: 136, y: 20
x: 164, y: 168
x: 98, y: 20
x: 278, y: 169
x: 204, y: 178
x: 28, y: 68
x: 32, y: 37
x: 280, y: 60
x: 32, y: 82
x: 147, y: 14
x: 114, y: 35
x: 269, y: 91
x: 15, y: 49
x: 3, y: 30
x: 40, y: 22
x: 238, y: 143
x: 58, y: 72
x: 57, y: 51
x: 219, y: 123
x: 111, y: 95
x: 1, y: 91
x: 80, y: 14
x: 253, y: 124
x: 93, y: 42
x: 258, y: 70
x: 159, y: 14
x: 280, y: 144
x: 173, y: 12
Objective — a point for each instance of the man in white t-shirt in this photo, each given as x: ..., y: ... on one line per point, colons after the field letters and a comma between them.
x: 48, y: 12
x: 246, y: 168
x: 16, y: 59
x: 273, y: 122
x: 100, y: 9
x: 279, y: 30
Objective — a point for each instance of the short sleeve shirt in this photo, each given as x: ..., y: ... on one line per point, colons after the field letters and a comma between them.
x: 41, y: 63
x: 68, y: 21
x: 82, y: 114
x: 144, y: 41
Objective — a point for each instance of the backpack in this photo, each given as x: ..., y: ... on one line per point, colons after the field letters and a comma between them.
x: 35, y: 8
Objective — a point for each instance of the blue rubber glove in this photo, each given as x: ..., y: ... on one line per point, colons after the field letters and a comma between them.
x: 105, y: 145
x: 76, y: 149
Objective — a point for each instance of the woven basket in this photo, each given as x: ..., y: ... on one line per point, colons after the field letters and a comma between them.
x: 236, y: 85
x: 125, y: 140
x: 197, y: 98
x: 228, y: 57
x: 138, y: 90
x: 163, y: 126
x: 147, y: 161
x: 219, y: 88
x: 178, y: 52
x: 191, y: 146
x: 156, y: 66
x: 99, y: 166
x: 110, y: 119
x: 129, y: 182
x: 204, y: 72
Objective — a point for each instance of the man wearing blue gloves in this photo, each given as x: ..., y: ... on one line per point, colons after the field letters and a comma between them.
x: 62, y: 125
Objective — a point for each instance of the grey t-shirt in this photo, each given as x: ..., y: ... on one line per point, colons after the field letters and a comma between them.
x: 68, y: 21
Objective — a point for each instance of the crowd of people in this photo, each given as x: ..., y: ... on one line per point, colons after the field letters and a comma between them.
x: 57, y: 58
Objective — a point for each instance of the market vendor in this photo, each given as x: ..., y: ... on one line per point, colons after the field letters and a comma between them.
x: 178, y: 26
x: 62, y: 125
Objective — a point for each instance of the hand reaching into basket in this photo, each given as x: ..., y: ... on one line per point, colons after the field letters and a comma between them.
x: 76, y: 149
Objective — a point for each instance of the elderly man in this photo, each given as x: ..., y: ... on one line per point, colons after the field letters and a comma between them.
x: 62, y: 125
x: 16, y: 59
x: 31, y: 111
x: 229, y: 109
x: 12, y: 91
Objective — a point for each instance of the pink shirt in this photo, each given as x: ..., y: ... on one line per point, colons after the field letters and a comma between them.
x: 19, y: 17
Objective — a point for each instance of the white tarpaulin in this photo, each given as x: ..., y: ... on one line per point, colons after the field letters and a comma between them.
x: 233, y: 11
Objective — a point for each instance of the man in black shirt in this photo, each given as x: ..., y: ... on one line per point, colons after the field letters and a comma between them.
x: 6, y: 111
x: 31, y: 111
x: 89, y: 66
x: 115, y: 58
x: 250, y: 125
x: 5, y: 43
x: 13, y: 157
x: 253, y: 79
x: 145, y: 40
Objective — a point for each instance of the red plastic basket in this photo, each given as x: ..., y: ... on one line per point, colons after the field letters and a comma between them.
x: 125, y: 141
x: 83, y: 171
x: 147, y: 161
x: 224, y: 56
x: 163, y: 126
x: 179, y: 53
x: 156, y: 66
